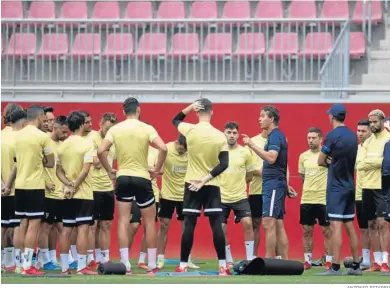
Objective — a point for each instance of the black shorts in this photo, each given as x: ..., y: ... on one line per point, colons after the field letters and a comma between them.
x: 53, y: 211
x: 129, y: 188
x: 310, y: 213
x: 30, y: 203
x: 8, y: 219
x: 240, y: 208
x: 374, y: 204
x: 363, y: 223
x: 104, y: 203
x: 136, y: 216
x: 386, y: 192
x: 167, y: 207
x: 256, y: 205
x: 208, y: 198
x: 76, y: 212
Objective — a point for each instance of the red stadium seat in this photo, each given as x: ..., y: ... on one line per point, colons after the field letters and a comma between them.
x: 21, y: 45
x: 272, y: 9
x: 171, y: 10
x: 139, y: 10
x: 250, y: 45
x: 335, y: 9
x: 54, y: 46
x: 152, y: 45
x: 303, y: 9
x: 236, y: 9
x: 42, y: 10
x: 185, y: 45
x: 217, y: 45
x: 317, y: 45
x: 357, y: 45
x: 204, y: 10
x: 105, y: 10
x: 284, y: 45
x: 86, y: 45
x: 13, y: 9
x: 119, y: 45
x: 74, y: 10
x: 376, y: 12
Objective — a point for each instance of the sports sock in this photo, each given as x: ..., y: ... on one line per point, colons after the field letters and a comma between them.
x: 222, y: 263
x: 81, y: 262
x: 73, y: 249
x: 98, y: 255
x: 308, y: 257
x: 53, y: 256
x: 44, y: 253
x: 105, y: 256
x: 142, y: 256
x: 329, y: 258
x: 18, y: 258
x: 125, y: 257
x: 70, y: 257
x: 9, y: 257
x: 28, y: 254
x: 64, y: 262
x: 248, y: 249
x: 161, y: 257
x: 378, y: 257
x: 90, y: 257
x: 385, y: 257
x: 152, y: 258
x: 366, y: 256
x: 228, y: 252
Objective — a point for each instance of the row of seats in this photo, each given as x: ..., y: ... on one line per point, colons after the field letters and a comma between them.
x: 199, y: 10
x: 154, y: 45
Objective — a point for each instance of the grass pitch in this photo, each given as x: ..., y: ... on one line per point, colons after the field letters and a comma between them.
x: 307, y: 277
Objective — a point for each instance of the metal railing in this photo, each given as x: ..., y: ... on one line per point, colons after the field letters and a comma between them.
x: 335, y: 71
x: 247, y: 51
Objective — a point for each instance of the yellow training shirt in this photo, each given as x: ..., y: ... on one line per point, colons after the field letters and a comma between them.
x: 256, y: 185
x: 51, y: 176
x: 359, y: 173
x: 316, y: 178
x: 100, y: 180
x: 233, y: 183
x: 31, y: 144
x: 204, y: 143
x: 175, y: 168
x: 131, y: 139
x: 72, y: 155
x: 7, y: 155
x: 152, y: 161
x: 372, y: 160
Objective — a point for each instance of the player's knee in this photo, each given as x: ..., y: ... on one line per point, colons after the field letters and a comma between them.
x: 326, y: 232
x: 189, y: 222
x: 247, y: 223
x: 372, y: 225
x: 269, y: 223
x: 256, y: 222
x: 307, y: 232
x: 382, y: 224
x: 164, y: 225
x: 105, y: 226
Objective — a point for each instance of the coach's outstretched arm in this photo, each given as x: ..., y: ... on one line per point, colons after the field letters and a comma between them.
x: 268, y: 156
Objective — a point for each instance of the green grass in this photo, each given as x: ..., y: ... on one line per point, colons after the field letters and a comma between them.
x: 307, y: 277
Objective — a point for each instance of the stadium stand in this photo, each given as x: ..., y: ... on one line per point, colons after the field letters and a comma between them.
x: 199, y: 48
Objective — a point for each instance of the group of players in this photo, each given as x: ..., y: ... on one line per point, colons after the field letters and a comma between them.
x: 60, y: 187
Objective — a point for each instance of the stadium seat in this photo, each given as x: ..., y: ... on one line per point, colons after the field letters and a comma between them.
x: 139, y: 10
x: 302, y: 9
x: 317, y: 45
x: 204, y: 10
x: 119, y: 45
x: 105, y: 10
x: 185, y: 45
x: 21, y: 45
x: 86, y: 45
x: 236, y: 9
x: 74, y: 10
x: 335, y: 9
x: 171, y: 10
x: 272, y: 9
x: 357, y: 45
x: 250, y: 45
x: 217, y: 45
x: 376, y: 12
x: 13, y: 9
x: 284, y: 45
x: 152, y: 45
x: 54, y: 46
x: 42, y: 10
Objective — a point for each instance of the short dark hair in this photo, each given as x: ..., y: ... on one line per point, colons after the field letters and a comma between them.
x: 182, y: 141
x: 61, y: 120
x: 363, y: 122
x: 272, y: 112
x: 130, y: 106
x: 109, y: 117
x: 47, y: 109
x: 85, y: 113
x: 18, y: 115
x: 33, y: 112
x: 9, y: 110
x: 75, y: 120
x: 207, y: 105
x: 231, y: 125
x: 340, y: 118
x: 315, y: 130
